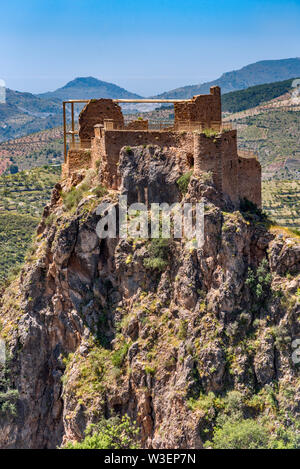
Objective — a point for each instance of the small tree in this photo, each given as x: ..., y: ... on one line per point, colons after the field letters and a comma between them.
x: 245, y: 434
x: 114, y: 433
x: 13, y: 169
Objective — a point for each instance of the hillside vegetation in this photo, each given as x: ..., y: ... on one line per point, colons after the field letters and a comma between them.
x: 237, y: 101
x: 194, y: 345
x: 22, y: 199
x: 275, y: 136
x: 281, y: 202
x: 25, y: 113
x: 34, y: 150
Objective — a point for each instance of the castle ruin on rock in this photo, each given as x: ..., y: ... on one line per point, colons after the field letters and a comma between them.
x: 196, y: 139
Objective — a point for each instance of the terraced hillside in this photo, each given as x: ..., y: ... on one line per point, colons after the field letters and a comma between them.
x: 281, y: 201
x: 22, y: 198
x: 275, y: 136
x: 34, y: 150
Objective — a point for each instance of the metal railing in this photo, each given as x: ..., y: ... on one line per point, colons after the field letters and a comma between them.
x: 152, y: 124
x: 72, y: 102
x: 71, y: 132
x: 75, y: 143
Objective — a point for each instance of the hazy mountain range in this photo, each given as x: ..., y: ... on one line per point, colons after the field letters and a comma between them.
x: 24, y: 113
x: 266, y: 71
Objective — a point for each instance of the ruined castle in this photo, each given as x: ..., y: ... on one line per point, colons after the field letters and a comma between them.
x: 197, y: 139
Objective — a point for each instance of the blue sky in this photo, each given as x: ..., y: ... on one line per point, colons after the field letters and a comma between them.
x: 145, y: 46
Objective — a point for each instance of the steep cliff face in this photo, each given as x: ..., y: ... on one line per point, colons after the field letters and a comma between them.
x: 148, y: 328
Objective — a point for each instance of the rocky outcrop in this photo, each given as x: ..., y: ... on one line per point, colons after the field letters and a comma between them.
x: 94, y: 329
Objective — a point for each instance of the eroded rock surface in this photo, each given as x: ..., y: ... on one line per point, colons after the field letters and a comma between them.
x: 93, y: 331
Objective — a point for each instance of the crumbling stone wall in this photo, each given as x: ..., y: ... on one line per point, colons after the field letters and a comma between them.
x: 102, y: 125
x: 235, y: 177
x: 204, y: 109
x: 77, y: 159
x: 230, y: 166
x: 107, y: 148
x: 249, y: 180
x: 138, y: 124
x: 95, y: 112
x: 207, y: 157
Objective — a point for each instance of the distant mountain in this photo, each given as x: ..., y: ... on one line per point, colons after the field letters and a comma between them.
x: 266, y: 71
x: 241, y: 100
x: 31, y: 103
x: 88, y: 88
x: 24, y: 113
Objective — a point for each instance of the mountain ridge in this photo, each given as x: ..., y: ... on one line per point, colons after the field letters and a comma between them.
x: 25, y: 113
x: 262, y: 72
x: 88, y: 88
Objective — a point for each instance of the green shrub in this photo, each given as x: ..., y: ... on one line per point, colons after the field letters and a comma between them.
x: 251, y: 212
x: 158, y: 254
x: 245, y: 434
x: 8, y: 396
x: 183, y: 329
x: 183, y: 182
x: 100, y: 191
x: 114, y: 433
x: 50, y: 219
x: 259, y: 283
x: 13, y: 169
x: 150, y: 370
x: 287, y: 438
x: 8, y: 402
x: 281, y: 337
x: 74, y: 196
x: 156, y: 264
x: 210, y: 133
x: 119, y: 356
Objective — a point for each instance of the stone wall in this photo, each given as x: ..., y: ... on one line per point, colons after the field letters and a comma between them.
x: 249, y: 180
x: 77, y: 159
x: 235, y: 177
x: 204, y: 109
x: 230, y: 166
x: 207, y: 157
x: 102, y: 125
x: 108, y: 150
x: 138, y: 124
x: 95, y: 112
